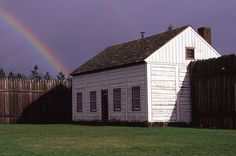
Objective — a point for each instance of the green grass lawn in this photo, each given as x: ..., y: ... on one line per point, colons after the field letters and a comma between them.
x: 108, y: 140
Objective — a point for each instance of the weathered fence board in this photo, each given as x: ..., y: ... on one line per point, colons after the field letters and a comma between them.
x: 31, y: 101
x: 213, y: 92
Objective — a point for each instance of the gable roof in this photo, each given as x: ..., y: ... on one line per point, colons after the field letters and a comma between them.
x: 129, y: 53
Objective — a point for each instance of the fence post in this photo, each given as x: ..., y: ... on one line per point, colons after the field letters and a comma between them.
x: 24, y: 99
x: 6, y: 107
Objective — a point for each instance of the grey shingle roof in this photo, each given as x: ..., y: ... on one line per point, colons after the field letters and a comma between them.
x: 128, y: 53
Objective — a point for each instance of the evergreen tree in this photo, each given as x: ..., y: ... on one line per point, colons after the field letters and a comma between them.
x: 61, y: 76
x: 35, y: 74
x: 20, y: 76
x: 47, y: 76
x: 69, y: 78
x: 2, y: 73
x: 11, y: 75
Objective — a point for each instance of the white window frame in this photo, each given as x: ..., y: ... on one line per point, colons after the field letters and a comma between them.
x: 79, y: 102
x: 93, y: 101
x: 192, y: 49
x: 136, y: 98
x: 117, y: 99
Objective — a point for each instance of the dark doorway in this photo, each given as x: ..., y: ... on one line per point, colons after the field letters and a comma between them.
x: 104, y: 105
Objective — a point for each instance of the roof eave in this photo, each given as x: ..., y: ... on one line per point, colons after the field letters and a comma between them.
x: 107, y: 68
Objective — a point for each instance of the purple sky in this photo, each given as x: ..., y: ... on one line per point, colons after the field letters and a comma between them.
x: 78, y: 29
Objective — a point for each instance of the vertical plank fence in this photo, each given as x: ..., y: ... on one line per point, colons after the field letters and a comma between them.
x: 213, y: 90
x: 31, y: 101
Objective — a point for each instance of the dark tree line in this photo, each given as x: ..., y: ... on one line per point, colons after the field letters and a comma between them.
x: 35, y: 75
x: 11, y: 75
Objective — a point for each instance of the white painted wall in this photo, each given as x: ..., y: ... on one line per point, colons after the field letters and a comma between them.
x: 124, y: 78
x: 168, y: 79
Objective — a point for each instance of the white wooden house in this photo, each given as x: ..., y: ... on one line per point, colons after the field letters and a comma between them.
x: 145, y: 80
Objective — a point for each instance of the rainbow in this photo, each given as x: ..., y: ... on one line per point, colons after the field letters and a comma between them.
x: 33, y: 40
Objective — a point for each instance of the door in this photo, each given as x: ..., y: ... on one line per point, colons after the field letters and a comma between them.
x: 104, y: 102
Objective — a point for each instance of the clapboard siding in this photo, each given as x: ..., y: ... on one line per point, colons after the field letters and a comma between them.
x: 167, y: 94
x: 184, y: 94
x: 163, y: 93
x: 169, y: 78
x: 124, y: 78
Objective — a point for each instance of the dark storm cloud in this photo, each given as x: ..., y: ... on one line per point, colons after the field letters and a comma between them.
x: 78, y: 29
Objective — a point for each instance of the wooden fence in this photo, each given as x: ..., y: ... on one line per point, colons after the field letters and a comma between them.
x: 213, y: 89
x: 31, y: 101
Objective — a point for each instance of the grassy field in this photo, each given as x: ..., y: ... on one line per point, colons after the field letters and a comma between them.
x: 107, y: 140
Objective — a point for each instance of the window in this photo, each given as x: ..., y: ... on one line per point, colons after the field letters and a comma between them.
x: 93, y: 107
x: 136, y: 99
x: 79, y: 102
x: 117, y: 99
x: 189, y: 53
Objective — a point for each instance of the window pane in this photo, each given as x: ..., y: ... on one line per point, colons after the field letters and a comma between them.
x: 79, y: 102
x: 190, y: 53
x: 136, y: 103
x: 93, y: 107
x: 117, y: 99
x: 136, y: 106
x: 136, y: 93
